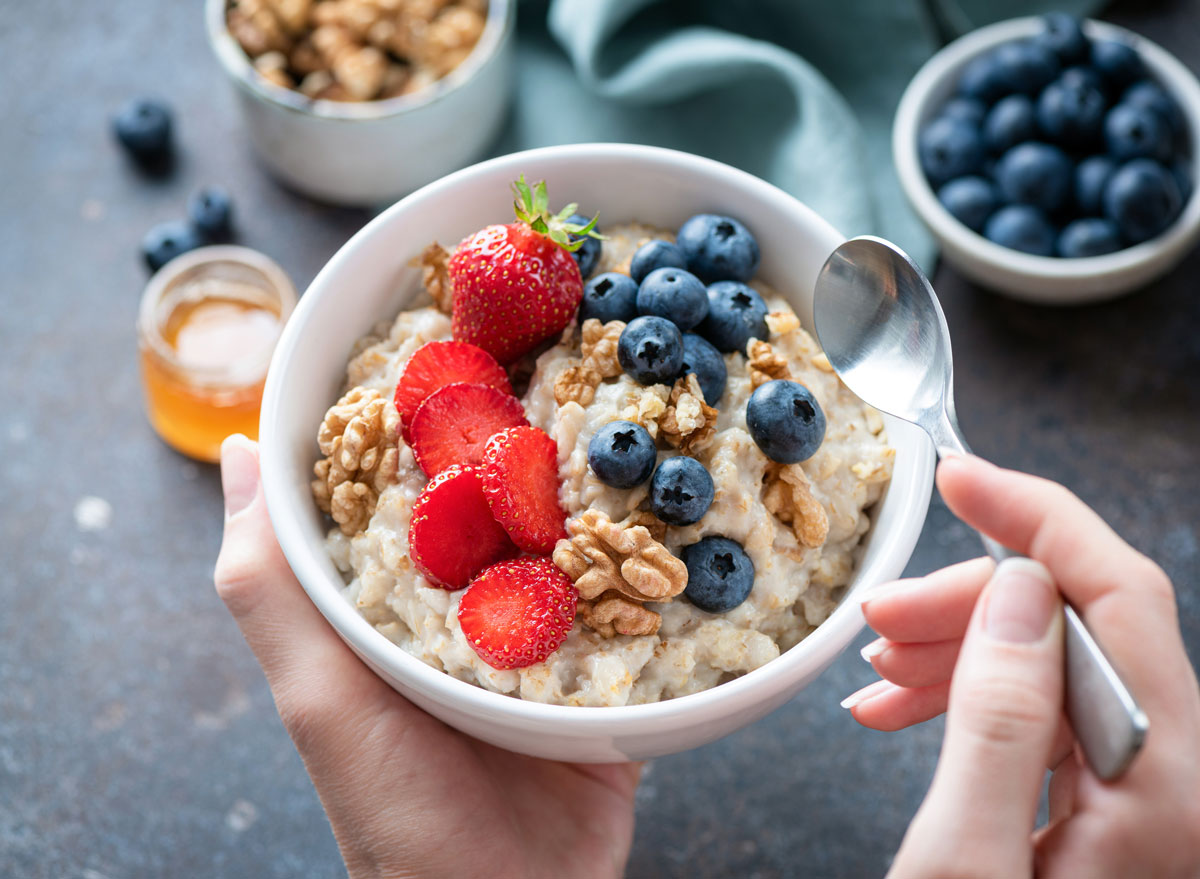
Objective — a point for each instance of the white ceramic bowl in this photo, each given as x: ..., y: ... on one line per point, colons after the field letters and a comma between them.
x: 371, y: 278
x: 1023, y: 275
x: 373, y: 152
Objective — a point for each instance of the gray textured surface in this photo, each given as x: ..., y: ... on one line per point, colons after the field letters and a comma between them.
x: 137, y: 737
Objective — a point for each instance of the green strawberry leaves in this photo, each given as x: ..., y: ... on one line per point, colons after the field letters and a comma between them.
x: 532, y: 207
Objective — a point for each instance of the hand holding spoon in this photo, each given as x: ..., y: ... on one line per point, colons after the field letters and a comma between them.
x: 880, y: 324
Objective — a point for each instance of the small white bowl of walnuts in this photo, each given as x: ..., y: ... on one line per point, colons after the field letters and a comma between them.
x: 362, y: 101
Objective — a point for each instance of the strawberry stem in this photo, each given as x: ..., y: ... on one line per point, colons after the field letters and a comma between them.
x: 532, y: 207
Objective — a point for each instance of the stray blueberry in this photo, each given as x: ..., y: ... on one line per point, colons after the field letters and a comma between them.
x: 736, y: 314
x: 1090, y: 236
x: 786, y: 421
x: 681, y: 491
x: 706, y: 363
x: 720, y: 574
x: 949, y: 148
x: 675, y: 294
x: 143, y: 126
x: 589, y: 254
x: 718, y: 248
x: 166, y: 241
x: 1062, y: 35
x: 622, y: 454
x: 1118, y: 63
x: 969, y: 110
x: 1133, y: 132
x: 651, y: 350
x: 656, y: 254
x: 610, y: 296
x: 1021, y: 227
x: 1070, y: 113
x: 211, y: 211
x: 1037, y: 174
x: 1091, y: 176
x: 1143, y: 199
x: 1011, y: 121
x: 970, y: 200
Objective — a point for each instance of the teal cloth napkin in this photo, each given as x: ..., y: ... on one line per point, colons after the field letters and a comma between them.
x: 798, y: 92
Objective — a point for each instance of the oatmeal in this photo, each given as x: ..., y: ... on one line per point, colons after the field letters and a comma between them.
x: 637, y: 636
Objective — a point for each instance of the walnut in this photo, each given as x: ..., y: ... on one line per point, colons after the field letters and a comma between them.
x: 292, y: 14
x: 613, y: 614
x: 435, y: 274
x: 603, y: 555
x: 315, y: 83
x: 358, y: 438
x: 598, y: 361
x: 273, y: 66
x: 782, y: 322
x: 821, y: 362
x: 255, y: 27
x: 689, y: 423
x: 789, y: 496
x: 360, y: 72
x: 450, y: 38
x: 766, y: 364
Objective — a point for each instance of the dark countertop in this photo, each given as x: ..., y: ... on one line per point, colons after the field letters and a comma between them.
x: 137, y: 736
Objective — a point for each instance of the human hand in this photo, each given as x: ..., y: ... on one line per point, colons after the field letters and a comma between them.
x: 406, y: 794
x: 999, y: 631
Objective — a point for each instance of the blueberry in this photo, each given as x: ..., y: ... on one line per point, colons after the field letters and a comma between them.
x: 589, y: 253
x: 1132, y: 132
x: 656, y: 254
x: 949, y: 148
x: 1037, y: 174
x: 1118, y: 63
x: 675, y: 294
x: 166, y: 241
x: 143, y: 126
x: 701, y: 358
x: 1182, y: 172
x: 622, y: 454
x: 1090, y: 236
x: 610, y: 296
x: 1153, y: 96
x: 210, y: 210
x: 970, y: 200
x: 1084, y: 76
x: 681, y: 491
x: 969, y: 110
x: 718, y: 248
x: 1062, y: 35
x: 1071, y: 113
x: 1091, y: 176
x: 720, y: 574
x: 736, y: 314
x: 786, y: 421
x: 651, y: 350
x: 1011, y: 121
x: 983, y: 80
x: 1021, y: 227
x: 1142, y: 198
x: 1026, y: 66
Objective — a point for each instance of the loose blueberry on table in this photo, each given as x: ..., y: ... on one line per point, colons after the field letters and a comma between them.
x: 210, y: 211
x: 1085, y: 152
x: 143, y: 127
x: 168, y: 240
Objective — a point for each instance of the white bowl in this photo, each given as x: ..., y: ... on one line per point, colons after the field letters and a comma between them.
x: 1022, y: 275
x: 371, y: 278
x: 373, y: 152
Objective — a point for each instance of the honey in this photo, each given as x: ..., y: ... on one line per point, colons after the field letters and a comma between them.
x: 208, y: 325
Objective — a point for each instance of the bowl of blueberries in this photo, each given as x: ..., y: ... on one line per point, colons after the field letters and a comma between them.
x: 1053, y: 159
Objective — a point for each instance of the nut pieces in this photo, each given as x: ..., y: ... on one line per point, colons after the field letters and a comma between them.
x: 788, y: 494
x: 689, y: 423
x: 358, y: 438
x: 435, y: 274
x: 598, y: 361
x: 765, y: 363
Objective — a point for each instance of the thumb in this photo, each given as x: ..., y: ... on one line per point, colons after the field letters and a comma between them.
x: 1005, y: 704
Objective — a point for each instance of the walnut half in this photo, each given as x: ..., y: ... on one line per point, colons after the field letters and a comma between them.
x: 788, y: 494
x: 358, y: 438
x: 689, y: 423
x: 598, y: 361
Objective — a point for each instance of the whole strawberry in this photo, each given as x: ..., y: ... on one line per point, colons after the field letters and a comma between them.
x: 517, y: 285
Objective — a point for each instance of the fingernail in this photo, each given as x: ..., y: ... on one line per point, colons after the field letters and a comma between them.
x: 239, y: 473
x: 867, y: 692
x: 889, y: 587
x: 876, y: 647
x: 1022, y: 601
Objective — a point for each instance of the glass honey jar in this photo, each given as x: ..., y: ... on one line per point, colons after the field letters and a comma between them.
x: 207, y: 327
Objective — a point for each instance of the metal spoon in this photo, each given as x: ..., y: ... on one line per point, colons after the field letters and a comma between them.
x: 881, y: 327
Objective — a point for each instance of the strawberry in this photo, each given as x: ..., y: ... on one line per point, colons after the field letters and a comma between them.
x: 454, y: 423
x: 437, y: 364
x: 520, y: 482
x: 517, y: 613
x: 452, y: 535
x: 517, y: 285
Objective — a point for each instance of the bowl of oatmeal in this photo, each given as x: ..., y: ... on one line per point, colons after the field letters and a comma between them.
x: 646, y: 663
x: 357, y: 103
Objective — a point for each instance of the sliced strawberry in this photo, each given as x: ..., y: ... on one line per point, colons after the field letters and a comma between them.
x: 517, y: 613
x: 452, y: 535
x: 454, y: 424
x: 437, y: 364
x: 520, y: 481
